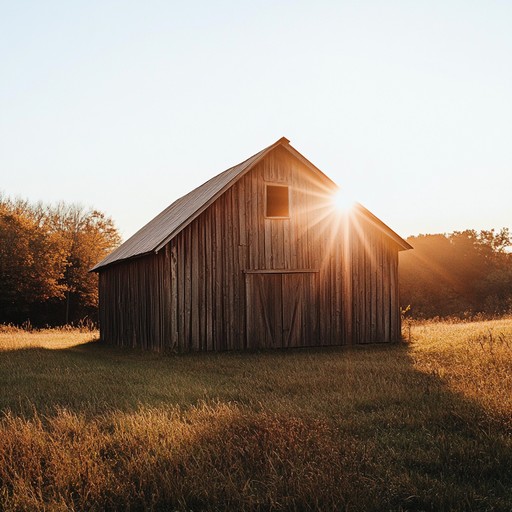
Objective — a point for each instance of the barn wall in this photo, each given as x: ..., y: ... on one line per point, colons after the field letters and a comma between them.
x: 376, y: 311
x: 135, y: 302
x: 233, y: 279
x: 224, y: 257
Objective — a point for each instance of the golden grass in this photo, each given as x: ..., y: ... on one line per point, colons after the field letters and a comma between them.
x: 470, y: 358
x: 419, y: 426
x: 208, y: 455
x: 12, y: 338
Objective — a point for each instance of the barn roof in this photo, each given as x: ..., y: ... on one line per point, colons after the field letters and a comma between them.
x: 167, y: 224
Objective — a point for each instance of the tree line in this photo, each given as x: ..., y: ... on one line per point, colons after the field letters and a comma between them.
x: 46, y: 252
x: 458, y: 274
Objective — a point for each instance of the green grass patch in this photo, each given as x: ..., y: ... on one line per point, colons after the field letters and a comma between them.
x: 419, y: 426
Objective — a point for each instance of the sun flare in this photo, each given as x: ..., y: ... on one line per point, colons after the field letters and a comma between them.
x: 342, y: 201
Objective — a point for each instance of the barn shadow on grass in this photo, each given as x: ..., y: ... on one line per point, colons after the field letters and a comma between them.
x: 397, y: 436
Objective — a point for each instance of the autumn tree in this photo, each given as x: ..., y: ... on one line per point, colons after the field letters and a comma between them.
x: 88, y: 236
x: 45, y: 254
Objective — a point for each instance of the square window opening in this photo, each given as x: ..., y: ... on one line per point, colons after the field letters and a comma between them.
x: 278, y: 202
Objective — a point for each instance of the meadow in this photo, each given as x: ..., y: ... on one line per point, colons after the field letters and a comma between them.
x: 421, y: 425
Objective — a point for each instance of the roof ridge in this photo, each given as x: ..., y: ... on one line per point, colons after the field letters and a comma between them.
x: 154, y: 235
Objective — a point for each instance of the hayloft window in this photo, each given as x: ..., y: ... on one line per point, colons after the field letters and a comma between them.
x: 278, y: 203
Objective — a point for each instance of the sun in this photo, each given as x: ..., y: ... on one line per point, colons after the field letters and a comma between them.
x: 342, y: 201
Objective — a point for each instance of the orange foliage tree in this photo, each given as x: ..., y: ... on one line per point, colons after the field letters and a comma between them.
x: 45, y: 254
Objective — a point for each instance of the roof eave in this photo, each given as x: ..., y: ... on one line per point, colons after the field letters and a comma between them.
x: 98, y: 268
x: 403, y: 244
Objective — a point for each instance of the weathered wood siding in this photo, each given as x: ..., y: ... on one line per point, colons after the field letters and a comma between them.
x: 233, y: 279
x: 135, y: 302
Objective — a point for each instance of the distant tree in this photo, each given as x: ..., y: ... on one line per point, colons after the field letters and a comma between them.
x: 88, y: 236
x: 32, y: 260
x: 459, y: 273
x: 45, y: 254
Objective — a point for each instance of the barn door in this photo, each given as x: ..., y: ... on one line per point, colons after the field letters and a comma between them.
x: 282, y: 310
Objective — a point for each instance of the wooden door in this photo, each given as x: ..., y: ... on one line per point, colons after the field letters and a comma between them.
x: 282, y: 309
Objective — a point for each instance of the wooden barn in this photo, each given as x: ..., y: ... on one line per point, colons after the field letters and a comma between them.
x: 256, y: 257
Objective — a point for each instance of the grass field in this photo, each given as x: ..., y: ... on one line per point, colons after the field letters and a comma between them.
x: 424, y: 425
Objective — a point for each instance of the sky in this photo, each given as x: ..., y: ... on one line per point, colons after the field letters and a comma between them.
x: 125, y: 106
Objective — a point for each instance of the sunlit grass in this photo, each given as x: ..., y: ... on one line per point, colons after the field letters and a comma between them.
x: 470, y: 358
x: 423, y: 425
x: 13, y: 338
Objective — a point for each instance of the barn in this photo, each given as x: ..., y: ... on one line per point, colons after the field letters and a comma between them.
x: 257, y: 257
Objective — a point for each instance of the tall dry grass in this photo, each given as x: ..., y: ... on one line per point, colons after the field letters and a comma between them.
x: 470, y: 358
x: 208, y: 457
x: 417, y: 426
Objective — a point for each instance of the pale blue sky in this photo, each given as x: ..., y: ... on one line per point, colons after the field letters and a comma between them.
x: 125, y: 106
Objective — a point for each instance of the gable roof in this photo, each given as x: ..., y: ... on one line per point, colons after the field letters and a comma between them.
x: 167, y: 224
